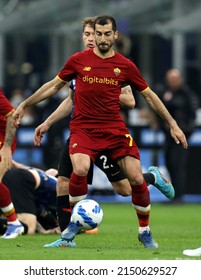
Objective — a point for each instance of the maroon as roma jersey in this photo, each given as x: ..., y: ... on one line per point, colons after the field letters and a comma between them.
x: 98, y: 86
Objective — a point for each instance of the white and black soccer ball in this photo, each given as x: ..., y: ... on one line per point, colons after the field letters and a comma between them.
x: 87, y: 214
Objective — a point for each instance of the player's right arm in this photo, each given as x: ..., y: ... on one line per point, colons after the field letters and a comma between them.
x: 64, y: 110
x: 44, y: 92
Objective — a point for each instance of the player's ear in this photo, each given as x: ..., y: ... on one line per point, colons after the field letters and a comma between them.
x: 116, y: 34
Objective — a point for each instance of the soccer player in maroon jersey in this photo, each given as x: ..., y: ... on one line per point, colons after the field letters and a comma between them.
x: 7, y: 147
x: 97, y: 125
x: 118, y: 180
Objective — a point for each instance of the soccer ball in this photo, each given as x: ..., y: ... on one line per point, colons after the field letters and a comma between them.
x: 87, y: 214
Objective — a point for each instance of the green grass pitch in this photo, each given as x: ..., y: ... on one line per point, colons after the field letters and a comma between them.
x: 174, y: 227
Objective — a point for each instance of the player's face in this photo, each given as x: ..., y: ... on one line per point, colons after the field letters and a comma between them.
x: 105, y: 37
x: 174, y: 79
x: 88, y: 37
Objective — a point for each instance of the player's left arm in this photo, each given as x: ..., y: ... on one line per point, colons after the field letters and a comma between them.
x: 50, y: 172
x: 16, y: 164
x: 157, y: 105
x: 126, y: 97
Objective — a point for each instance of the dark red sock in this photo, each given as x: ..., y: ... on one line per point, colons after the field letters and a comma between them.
x: 5, y: 198
x: 78, y: 185
x: 6, y: 202
x: 141, y: 202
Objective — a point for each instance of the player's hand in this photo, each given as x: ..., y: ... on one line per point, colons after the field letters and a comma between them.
x: 39, y: 133
x: 51, y: 231
x: 179, y: 136
x: 18, y: 115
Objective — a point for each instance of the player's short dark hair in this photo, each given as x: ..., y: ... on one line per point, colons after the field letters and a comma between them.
x: 103, y: 20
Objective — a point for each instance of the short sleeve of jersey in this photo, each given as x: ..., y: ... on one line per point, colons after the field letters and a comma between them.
x: 136, y: 78
x: 68, y: 72
x: 5, y: 107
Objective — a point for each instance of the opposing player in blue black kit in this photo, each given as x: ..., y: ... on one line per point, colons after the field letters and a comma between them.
x: 33, y: 194
x: 97, y: 126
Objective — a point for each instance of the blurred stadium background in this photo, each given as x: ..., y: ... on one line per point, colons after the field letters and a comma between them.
x: 36, y: 38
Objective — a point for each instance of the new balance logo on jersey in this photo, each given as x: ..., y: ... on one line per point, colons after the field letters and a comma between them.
x: 87, y: 68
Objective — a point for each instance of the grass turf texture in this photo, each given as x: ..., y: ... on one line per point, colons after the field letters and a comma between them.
x: 174, y: 227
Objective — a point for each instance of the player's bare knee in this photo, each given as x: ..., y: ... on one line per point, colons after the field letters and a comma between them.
x: 136, y: 180
x: 81, y: 171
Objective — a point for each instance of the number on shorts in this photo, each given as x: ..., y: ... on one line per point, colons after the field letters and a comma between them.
x: 131, y: 139
x: 104, y: 160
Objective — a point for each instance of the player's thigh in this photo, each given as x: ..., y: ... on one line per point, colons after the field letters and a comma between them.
x: 81, y: 163
x: 30, y: 220
x: 110, y: 168
x: 132, y: 169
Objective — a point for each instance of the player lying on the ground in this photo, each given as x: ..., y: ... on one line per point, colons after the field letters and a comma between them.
x: 33, y: 192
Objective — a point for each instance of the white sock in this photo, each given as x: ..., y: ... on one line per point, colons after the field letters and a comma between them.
x: 141, y: 229
x: 16, y: 223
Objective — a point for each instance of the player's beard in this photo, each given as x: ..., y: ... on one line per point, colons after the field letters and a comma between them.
x: 104, y: 48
